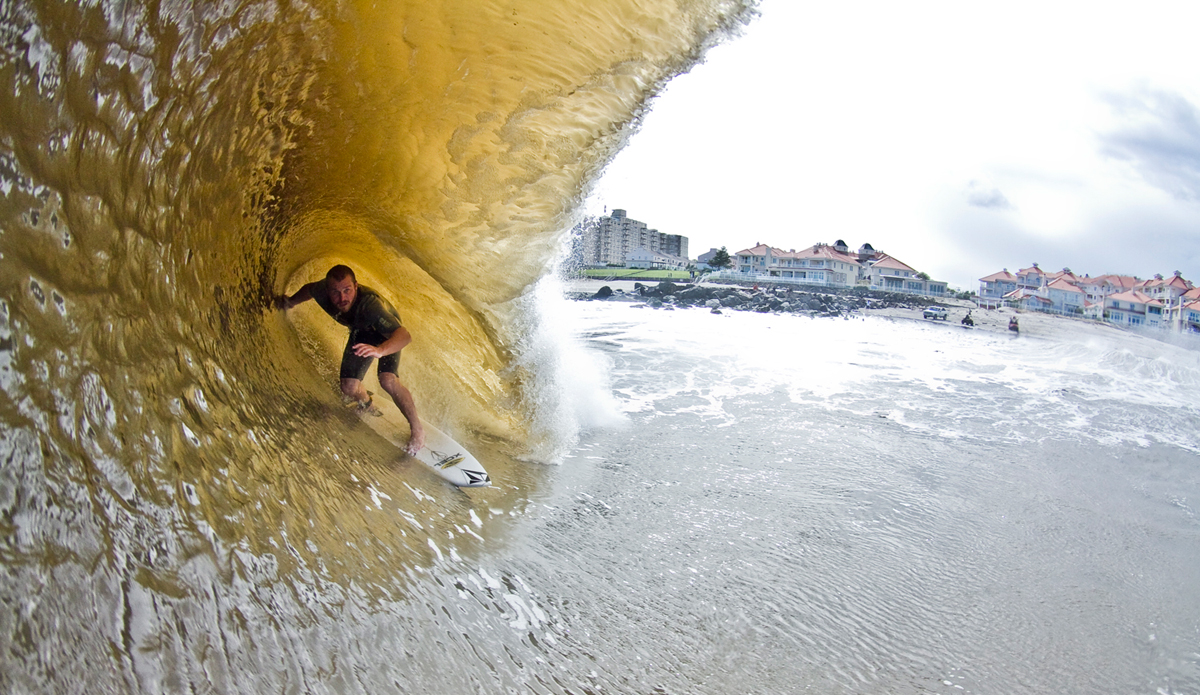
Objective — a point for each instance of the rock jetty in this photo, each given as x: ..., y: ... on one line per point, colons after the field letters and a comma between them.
x: 777, y: 299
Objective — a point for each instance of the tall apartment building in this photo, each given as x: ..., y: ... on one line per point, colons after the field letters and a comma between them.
x: 610, y: 240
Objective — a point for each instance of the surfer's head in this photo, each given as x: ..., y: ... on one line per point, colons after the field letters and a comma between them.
x: 342, y: 287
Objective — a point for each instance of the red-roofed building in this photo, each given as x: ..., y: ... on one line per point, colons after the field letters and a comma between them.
x: 833, y: 266
x: 1034, y: 290
x: 1027, y: 299
x: 1133, y: 308
x: 1186, y: 316
x: 993, y: 288
x: 1095, y: 289
x: 889, y: 274
x: 1122, y: 282
x: 1093, y: 310
x: 1183, y: 313
x: 1031, y: 278
x: 753, y: 260
x: 820, y: 264
x: 1165, y: 290
x: 1064, y: 296
x: 1064, y: 274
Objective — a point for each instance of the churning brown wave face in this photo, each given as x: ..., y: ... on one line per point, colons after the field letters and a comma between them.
x: 167, y: 167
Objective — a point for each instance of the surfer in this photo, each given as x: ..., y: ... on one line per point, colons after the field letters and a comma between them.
x: 375, y: 333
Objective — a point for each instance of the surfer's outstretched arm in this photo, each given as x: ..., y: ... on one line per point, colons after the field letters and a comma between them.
x: 302, y: 295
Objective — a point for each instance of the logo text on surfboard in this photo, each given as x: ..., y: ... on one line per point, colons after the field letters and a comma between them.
x: 446, y: 461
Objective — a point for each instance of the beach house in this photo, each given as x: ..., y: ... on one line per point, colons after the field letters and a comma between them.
x: 1031, y: 278
x: 833, y: 265
x: 1133, y: 308
x: 994, y: 287
x: 1183, y: 314
x: 752, y: 261
x: 889, y: 274
x: 1165, y: 290
x: 1064, y: 296
x: 1097, y: 288
x: 820, y: 264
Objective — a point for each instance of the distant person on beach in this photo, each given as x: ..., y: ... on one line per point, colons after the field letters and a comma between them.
x: 375, y: 333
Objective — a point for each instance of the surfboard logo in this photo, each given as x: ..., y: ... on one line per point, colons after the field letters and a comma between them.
x: 444, y: 461
x: 477, y: 477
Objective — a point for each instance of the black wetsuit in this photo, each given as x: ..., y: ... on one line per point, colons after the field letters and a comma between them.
x: 372, y: 320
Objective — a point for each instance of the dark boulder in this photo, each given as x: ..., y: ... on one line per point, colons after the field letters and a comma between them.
x: 696, y: 293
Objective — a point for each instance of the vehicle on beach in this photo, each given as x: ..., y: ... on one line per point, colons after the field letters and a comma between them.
x: 935, y: 312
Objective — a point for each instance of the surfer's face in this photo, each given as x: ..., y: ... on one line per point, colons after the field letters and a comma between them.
x: 342, y: 292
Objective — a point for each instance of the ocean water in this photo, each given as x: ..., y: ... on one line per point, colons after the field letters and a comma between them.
x: 684, y: 502
x: 876, y: 505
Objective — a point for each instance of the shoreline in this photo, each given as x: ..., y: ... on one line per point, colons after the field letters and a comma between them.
x: 1033, y: 324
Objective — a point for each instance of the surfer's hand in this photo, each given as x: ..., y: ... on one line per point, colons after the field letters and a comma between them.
x: 283, y: 302
x: 364, y: 350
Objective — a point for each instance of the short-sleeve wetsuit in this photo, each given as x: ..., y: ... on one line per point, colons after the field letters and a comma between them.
x: 372, y: 320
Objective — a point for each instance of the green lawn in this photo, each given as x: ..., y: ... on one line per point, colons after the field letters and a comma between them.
x: 635, y: 274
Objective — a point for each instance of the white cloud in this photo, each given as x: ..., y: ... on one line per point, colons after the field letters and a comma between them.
x: 863, y: 121
x: 983, y: 196
x: 1159, y: 136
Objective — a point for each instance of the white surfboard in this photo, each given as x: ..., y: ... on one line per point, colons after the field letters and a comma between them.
x: 446, y: 457
x: 450, y: 460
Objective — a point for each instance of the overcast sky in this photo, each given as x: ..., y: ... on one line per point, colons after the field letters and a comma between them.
x: 961, y: 138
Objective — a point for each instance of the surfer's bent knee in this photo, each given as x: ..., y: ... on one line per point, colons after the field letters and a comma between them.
x: 390, y: 381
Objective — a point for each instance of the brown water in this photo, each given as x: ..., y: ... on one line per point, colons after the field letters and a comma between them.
x: 182, y: 494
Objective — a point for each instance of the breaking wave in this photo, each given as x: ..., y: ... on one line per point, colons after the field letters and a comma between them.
x: 166, y: 169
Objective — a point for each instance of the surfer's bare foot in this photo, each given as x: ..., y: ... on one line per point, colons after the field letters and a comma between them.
x: 416, y: 442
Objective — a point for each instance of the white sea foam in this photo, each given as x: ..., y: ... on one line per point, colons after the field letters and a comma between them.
x: 567, y: 388
x: 924, y: 377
